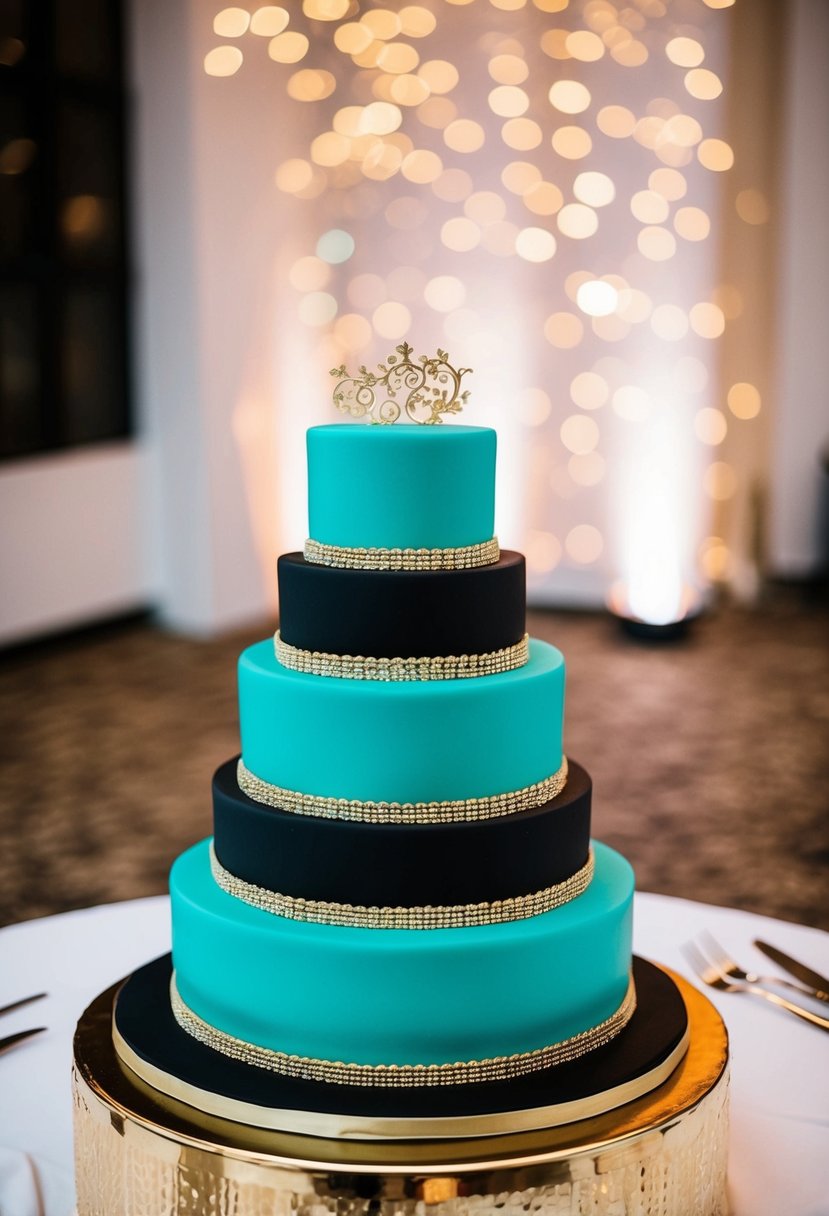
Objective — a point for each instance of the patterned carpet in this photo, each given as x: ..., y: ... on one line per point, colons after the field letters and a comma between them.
x: 709, y: 757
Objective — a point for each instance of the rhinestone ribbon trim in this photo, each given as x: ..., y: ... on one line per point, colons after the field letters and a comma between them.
x: 471, y: 809
x: 466, y: 558
x: 361, y: 667
x: 398, y: 1076
x: 358, y: 916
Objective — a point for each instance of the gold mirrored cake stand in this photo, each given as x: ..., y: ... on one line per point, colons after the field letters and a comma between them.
x: 140, y: 1153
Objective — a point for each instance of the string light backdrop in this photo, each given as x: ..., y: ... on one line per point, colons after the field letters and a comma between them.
x: 534, y: 187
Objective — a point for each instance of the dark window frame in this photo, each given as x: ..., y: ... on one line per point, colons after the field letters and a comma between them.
x: 46, y: 93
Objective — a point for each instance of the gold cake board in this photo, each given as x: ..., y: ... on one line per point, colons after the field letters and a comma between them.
x: 139, y: 1153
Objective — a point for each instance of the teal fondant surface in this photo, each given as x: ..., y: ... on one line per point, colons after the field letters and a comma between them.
x: 372, y: 996
x: 424, y: 741
x: 401, y: 487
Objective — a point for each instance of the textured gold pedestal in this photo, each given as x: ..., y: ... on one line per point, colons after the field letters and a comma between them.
x: 139, y: 1154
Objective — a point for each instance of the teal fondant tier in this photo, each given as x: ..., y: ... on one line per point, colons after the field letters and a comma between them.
x: 401, y: 996
x: 401, y: 487
x: 423, y: 741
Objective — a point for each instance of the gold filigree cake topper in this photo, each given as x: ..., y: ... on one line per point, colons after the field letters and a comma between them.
x: 431, y: 387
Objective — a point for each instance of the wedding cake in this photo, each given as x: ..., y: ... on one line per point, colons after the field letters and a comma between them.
x: 401, y: 914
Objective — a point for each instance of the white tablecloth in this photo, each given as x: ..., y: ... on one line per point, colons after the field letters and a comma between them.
x: 779, y: 1163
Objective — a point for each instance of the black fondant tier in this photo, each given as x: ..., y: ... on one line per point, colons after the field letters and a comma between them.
x: 654, y: 1035
x: 402, y: 865
x: 402, y: 614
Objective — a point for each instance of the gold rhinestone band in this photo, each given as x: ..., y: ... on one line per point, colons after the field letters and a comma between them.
x: 468, y: 809
x: 398, y: 1076
x: 358, y: 916
x: 484, y: 554
x: 360, y: 667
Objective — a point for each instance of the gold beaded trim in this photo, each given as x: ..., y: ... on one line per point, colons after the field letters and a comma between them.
x: 471, y: 809
x: 358, y: 916
x: 398, y: 1076
x: 466, y: 558
x: 439, y: 667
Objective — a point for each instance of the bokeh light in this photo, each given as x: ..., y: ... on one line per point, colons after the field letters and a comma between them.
x: 444, y: 293
x: 289, y: 47
x: 522, y: 134
x: 569, y: 96
x: 656, y: 244
x: 597, y: 298
x: 579, y: 434
x: 440, y: 75
x: 710, y: 425
x: 744, y: 400
x: 535, y: 244
x: 715, y: 154
x: 616, y: 121
x: 587, y: 469
x: 703, y: 84
x: 460, y: 234
x: 507, y: 101
x: 707, y: 320
x: 669, y: 322
x: 649, y: 207
x: 595, y: 189
x: 269, y: 20
x: 720, y: 481
x: 223, y: 61
x: 692, y: 223
x: 391, y: 320
x: 589, y: 390
x: 335, y: 246
x: 543, y: 198
x: 584, y: 544
x: 508, y: 69
x: 231, y: 22
x: 752, y: 206
x: 563, y: 330
x: 543, y: 551
x: 311, y: 85
x: 309, y: 274
x: 317, y: 308
x: 464, y: 135
x: 685, y: 52
x: 577, y: 221
x: 572, y: 143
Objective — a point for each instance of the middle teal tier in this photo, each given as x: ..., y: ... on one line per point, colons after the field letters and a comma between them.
x: 429, y: 741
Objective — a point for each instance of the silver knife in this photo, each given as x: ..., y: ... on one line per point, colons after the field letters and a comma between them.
x: 11, y: 1040
x: 27, y: 1000
x: 817, y: 982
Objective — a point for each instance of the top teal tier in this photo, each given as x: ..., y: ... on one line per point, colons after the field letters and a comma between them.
x: 401, y: 487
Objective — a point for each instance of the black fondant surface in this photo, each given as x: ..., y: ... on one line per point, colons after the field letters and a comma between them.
x: 145, y: 1020
x: 408, y: 614
x: 403, y: 865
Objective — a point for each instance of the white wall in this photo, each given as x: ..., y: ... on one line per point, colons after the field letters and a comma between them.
x: 802, y: 414
x: 71, y: 539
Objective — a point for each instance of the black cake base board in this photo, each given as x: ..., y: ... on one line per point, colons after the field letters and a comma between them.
x: 153, y: 1048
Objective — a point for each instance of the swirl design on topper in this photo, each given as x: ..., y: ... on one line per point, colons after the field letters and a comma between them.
x: 424, y: 390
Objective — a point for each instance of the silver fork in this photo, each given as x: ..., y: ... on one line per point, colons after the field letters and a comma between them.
x: 714, y: 978
x: 719, y: 958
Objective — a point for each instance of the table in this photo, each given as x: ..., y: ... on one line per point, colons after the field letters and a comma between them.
x: 779, y: 1162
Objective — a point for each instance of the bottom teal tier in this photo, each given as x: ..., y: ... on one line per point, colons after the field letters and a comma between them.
x: 401, y: 996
